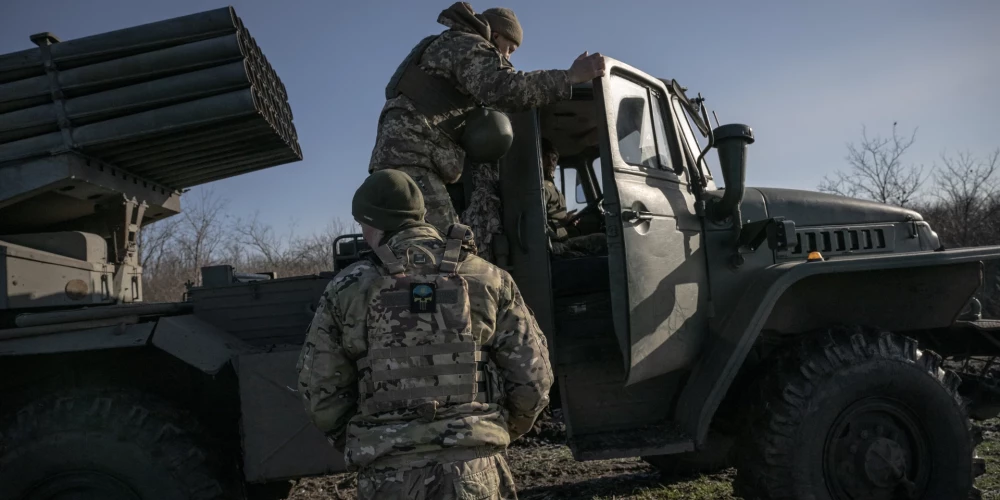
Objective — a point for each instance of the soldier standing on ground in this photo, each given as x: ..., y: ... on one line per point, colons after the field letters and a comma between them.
x: 446, y: 76
x: 422, y: 363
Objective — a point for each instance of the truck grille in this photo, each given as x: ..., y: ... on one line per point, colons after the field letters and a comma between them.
x: 843, y: 240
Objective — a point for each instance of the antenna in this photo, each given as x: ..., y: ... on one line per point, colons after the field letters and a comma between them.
x: 716, y: 118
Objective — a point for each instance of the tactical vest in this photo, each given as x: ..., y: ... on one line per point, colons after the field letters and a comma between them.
x: 421, y: 351
x: 491, y: 135
x: 432, y: 95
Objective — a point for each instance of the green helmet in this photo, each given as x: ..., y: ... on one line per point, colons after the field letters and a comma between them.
x: 487, y: 136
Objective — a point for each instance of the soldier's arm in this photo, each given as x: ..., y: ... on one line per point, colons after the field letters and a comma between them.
x: 522, y: 357
x: 327, y: 371
x: 481, y: 72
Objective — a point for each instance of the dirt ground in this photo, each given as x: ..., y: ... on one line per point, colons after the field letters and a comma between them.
x: 545, y: 470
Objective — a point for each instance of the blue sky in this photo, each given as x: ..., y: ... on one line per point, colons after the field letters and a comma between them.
x: 805, y: 75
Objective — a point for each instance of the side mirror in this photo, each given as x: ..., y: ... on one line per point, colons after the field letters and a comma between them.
x: 731, y: 140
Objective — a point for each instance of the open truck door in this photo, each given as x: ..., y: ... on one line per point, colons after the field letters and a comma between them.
x: 659, y: 281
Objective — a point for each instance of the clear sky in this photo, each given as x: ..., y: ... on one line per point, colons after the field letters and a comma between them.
x: 805, y: 75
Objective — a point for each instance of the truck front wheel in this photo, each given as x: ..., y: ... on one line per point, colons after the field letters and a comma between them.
x: 850, y: 414
x: 106, y: 444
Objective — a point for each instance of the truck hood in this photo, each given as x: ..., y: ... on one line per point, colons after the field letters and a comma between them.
x: 809, y: 208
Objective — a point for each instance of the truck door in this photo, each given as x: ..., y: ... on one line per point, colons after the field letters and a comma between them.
x: 656, y: 259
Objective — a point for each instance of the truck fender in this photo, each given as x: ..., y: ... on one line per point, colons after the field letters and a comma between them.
x: 91, y: 339
x: 729, y: 346
x: 197, y: 343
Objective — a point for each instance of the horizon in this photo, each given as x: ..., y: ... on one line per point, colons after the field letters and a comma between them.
x: 807, y: 78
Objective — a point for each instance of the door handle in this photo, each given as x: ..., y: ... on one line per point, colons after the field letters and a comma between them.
x: 636, y: 216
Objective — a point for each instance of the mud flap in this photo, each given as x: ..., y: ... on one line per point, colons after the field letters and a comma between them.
x: 197, y: 343
x: 279, y: 440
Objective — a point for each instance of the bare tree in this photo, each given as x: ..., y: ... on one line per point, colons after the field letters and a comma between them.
x: 877, y: 171
x: 174, y: 250
x: 967, y: 203
x: 201, y: 231
x: 155, y: 241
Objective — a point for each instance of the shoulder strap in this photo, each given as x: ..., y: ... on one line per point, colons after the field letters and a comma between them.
x: 389, y: 260
x: 432, y: 95
x: 411, y: 59
x: 453, y: 248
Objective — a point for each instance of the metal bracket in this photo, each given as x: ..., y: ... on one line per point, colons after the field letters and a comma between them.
x: 44, y: 41
x: 129, y: 231
x: 777, y: 231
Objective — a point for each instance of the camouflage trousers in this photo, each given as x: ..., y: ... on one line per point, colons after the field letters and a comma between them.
x: 486, y: 478
x: 440, y: 211
x: 581, y: 246
x: 484, y: 210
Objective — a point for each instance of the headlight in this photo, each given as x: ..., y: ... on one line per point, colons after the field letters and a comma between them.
x: 929, y: 240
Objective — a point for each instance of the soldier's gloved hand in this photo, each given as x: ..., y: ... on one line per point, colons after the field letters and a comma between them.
x: 586, y: 67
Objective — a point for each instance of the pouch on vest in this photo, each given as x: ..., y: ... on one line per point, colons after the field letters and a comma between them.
x: 421, y: 351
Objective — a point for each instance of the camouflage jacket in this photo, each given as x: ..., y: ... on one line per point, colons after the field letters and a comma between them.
x: 460, y: 54
x: 555, y: 209
x: 338, y: 337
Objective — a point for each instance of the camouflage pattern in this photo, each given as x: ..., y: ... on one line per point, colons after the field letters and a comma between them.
x: 461, y: 55
x: 484, y: 212
x: 501, y: 323
x: 486, y: 478
x: 440, y: 210
x: 555, y: 210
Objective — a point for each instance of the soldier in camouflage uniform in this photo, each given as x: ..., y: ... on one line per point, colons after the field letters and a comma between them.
x: 567, y: 241
x: 555, y: 202
x: 423, y: 361
x: 465, y: 66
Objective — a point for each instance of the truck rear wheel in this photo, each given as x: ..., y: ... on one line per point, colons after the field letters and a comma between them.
x: 851, y: 414
x: 111, y: 445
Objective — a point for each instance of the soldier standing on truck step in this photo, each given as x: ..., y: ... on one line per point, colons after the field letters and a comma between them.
x: 422, y: 362
x: 451, y: 78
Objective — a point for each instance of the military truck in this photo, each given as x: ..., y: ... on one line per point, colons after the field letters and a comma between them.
x: 799, y: 333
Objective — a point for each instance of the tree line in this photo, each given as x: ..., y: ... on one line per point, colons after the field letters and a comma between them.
x: 173, y: 251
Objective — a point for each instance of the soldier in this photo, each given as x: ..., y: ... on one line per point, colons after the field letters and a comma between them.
x: 422, y: 362
x: 555, y: 202
x: 566, y: 238
x: 444, y: 78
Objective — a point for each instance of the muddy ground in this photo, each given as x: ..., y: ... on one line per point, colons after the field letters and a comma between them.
x: 545, y: 470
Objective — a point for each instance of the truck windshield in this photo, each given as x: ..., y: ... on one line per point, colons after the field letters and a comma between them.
x: 687, y: 129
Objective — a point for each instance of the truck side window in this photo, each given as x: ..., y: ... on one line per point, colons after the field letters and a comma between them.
x: 641, y: 135
x: 662, y: 146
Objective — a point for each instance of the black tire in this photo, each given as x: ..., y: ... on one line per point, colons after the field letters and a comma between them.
x: 832, y: 406
x: 110, y: 444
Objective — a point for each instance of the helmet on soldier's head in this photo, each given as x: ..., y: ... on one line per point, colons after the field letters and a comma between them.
x: 487, y: 136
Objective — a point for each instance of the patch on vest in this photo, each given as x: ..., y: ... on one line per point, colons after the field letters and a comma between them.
x: 423, y: 298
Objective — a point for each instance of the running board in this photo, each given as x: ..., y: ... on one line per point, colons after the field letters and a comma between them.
x: 659, y: 439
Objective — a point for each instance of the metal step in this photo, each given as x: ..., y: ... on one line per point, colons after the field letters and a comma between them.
x: 658, y: 439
